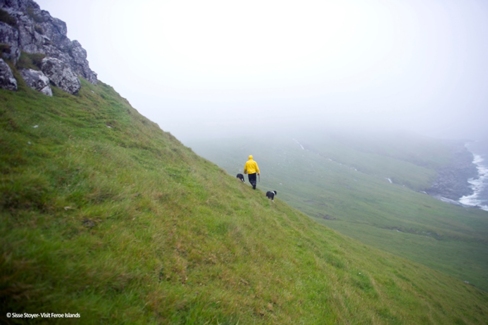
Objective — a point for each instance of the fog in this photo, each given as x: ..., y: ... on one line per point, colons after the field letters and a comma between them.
x: 215, y: 68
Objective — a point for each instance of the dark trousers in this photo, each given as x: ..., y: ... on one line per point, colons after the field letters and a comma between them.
x: 252, y: 180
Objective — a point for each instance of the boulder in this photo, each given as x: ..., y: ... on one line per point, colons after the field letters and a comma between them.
x: 7, y: 79
x: 61, y: 75
x: 37, y: 80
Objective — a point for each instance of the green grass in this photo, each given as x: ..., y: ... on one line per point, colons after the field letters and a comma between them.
x: 105, y: 215
x: 30, y: 60
x: 342, y: 183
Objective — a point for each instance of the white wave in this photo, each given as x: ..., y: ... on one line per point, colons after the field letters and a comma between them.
x: 446, y: 200
x: 478, y: 184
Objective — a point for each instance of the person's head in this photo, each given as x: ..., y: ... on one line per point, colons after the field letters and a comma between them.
x: 250, y: 157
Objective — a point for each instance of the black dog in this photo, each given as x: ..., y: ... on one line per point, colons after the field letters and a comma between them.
x: 241, y: 177
x: 271, y: 194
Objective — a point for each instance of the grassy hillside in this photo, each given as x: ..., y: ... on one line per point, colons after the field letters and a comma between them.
x: 367, y: 188
x: 105, y: 215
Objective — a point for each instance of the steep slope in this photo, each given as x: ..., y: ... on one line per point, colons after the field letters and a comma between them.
x: 106, y: 216
x: 369, y: 189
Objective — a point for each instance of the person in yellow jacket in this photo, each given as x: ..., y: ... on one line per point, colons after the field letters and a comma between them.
x: 251, y: 168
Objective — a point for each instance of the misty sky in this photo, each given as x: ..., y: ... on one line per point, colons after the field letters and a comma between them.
x: 201, y: 68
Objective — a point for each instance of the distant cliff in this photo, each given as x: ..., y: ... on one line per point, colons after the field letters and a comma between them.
x: 37, y: 45
x: 452, y: 179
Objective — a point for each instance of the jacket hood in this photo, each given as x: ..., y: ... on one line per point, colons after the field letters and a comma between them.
x: 250, y: 157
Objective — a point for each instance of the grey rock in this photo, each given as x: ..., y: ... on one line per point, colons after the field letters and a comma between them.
x: 35, y: 31
x: 452, y: 179
x: 61, y: 75
x: 7, y: 79
x: 10, y: 46
x: 80, y: 63
x: 37, y: 80
x: 19, y: 4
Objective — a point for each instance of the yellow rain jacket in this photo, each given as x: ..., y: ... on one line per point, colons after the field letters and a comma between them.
x: 251, y: 167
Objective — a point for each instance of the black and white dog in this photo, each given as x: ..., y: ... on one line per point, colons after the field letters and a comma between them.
x: 271, y: 194
x: 241, y: 177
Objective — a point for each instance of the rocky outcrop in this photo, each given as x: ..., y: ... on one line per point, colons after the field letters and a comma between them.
x: 7, y: 80
x: 79, y: 63
x: 24, y: 27
x: 9, y: 36
x: 452, y: 179
x: 60, y: 74
x: 37, y: 80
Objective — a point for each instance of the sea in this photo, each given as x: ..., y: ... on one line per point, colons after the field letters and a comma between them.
x: 479, y: 184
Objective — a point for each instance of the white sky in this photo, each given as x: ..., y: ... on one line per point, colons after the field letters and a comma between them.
x: 203, y: 67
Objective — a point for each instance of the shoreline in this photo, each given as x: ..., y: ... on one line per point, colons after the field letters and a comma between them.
x: 477, y: 183
x: 452, y: 182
